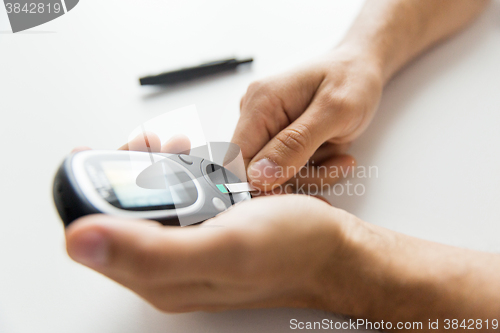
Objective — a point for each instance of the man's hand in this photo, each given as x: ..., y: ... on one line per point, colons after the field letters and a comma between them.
x: 285, y: 251
x: 289, y: 251
x: 312, y: 114
x: 267, y: 252
x: 296, y: 250
x: 308, y: 115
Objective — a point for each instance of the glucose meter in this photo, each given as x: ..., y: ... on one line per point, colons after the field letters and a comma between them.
x: 174, y: 189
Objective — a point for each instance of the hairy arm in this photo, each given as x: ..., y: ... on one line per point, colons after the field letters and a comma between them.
x: 312, y: 114
x: 395, y: 31
x: 397, y: 278
x: 403, y: 278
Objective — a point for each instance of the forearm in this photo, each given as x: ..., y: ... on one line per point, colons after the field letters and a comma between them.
x: 394, y: 277
x: 395, y: 31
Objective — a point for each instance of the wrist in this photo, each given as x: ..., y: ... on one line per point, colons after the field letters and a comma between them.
x: 343, y: 285
x: 361, y: 55
x: 369, y: 274
x: 379, y: 274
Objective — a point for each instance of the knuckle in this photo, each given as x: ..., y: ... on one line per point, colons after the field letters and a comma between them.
x: 346, y: 112
x: 262, y: 96
x: 257, y: 86
x: 264, y: 107
x: 345, y: 104
x: 337, y: 100
x: 295, y: 139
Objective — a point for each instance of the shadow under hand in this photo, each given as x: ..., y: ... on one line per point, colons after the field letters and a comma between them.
x: 242, y: 321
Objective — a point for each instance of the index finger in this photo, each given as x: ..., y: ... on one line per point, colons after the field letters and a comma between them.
x: 270, y: 106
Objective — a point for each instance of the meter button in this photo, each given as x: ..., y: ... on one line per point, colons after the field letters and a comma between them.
x: 186, y: 159
x: 219, y: 204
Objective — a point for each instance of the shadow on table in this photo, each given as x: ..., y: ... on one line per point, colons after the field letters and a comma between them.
x: 241, y: 321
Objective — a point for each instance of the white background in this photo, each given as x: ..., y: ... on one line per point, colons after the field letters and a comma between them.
x: 73, y: 81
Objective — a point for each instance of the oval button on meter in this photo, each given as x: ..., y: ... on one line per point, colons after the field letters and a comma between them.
x: 219, y: 204
x: 186, y: 159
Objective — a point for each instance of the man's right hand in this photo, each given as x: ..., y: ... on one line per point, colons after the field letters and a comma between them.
x: 307, y: 115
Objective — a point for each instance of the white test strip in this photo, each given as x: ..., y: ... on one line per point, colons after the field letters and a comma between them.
x: 239, y: 187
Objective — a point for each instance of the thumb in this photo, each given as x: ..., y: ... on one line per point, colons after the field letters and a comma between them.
x: 128, y: 250
x: 284, y: 155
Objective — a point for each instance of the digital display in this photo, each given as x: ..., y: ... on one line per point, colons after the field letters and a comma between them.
x: 116, y: 183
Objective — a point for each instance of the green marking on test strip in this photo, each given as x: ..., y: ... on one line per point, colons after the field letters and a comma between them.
x: 222, y: 188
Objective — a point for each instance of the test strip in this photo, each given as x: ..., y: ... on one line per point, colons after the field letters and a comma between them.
x: 222, y: 188
x: 235, y: 187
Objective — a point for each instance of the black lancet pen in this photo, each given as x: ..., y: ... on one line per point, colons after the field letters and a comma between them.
x: 191, y: 73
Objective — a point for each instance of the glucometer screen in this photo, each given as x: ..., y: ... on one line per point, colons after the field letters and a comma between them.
x: 117, y: 185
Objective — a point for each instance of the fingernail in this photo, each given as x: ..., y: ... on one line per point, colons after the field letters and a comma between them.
x: 264, y: 172
x: 90, y: 249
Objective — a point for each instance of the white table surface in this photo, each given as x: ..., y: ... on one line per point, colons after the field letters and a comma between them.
x: 73, y: 81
